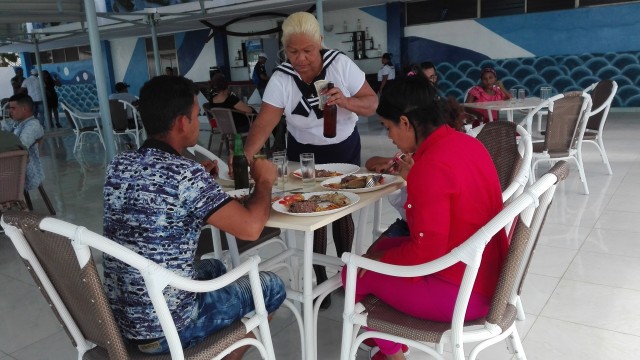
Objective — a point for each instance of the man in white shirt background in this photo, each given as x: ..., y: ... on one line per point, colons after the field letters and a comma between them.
x: 31, y: 87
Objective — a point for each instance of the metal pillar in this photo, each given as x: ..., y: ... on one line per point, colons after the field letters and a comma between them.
x: 153, y: 20
x: 43, y: 89
x: 320, y: 15
x: 101, y: 80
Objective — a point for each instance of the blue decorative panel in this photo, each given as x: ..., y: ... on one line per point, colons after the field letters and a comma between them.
x: 562, y: 73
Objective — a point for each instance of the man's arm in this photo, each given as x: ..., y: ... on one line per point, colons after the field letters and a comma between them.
x: 31, y: 133
x: 247, y: 221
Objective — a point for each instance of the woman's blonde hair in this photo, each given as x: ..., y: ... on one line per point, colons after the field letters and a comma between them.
x: 301, y: 23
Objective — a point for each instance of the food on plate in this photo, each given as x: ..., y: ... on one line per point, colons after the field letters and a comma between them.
x: 304, y: 206
x: 297, y: 203
x: 356, y: 182
x: 326, y: 173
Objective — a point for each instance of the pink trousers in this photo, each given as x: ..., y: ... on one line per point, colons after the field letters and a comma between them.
x: 429, y: 297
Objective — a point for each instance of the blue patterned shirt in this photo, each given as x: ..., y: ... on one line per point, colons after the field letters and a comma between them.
x: 155, y: 202
x: 29, y: 131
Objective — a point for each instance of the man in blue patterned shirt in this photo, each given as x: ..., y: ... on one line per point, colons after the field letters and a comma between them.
x: 155, y: 203
x: 24, y: 125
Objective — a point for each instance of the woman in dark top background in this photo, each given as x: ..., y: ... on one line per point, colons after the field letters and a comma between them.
x: 224, y: 98
x: 52, y: 97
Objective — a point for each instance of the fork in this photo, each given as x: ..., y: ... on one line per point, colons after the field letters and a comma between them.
x: 372, y: 181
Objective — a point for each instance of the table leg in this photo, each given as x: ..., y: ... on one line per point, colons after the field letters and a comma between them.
x: 510, y: 115
x: 359, y: 244
x: 307, y: 295
x: 377, y: 216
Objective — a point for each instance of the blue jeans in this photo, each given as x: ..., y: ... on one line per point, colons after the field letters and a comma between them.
x: 398, y: 229
x: 220, y: 308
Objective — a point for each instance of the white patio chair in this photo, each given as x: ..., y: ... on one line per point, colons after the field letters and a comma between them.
x: 566, y: 124
x: 58, y: 257
x: 602, y: 94
x: 499, y: 324
x: 121, y: 113
x: 76, y: 119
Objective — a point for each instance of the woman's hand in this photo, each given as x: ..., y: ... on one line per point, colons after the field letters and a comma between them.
x: 405, y: 163
x: 336, y: 97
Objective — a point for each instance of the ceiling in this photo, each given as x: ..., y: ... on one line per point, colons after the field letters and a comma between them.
x: 171, y: 19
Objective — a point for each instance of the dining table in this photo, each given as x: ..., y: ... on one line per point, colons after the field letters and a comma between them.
x: 509, y: 106
x: 305, y: 293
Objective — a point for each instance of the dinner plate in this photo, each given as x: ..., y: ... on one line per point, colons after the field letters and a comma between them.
x: 239, y: 193
x: 387, y: 180
x: 342, y: 168
x: 353, y: 198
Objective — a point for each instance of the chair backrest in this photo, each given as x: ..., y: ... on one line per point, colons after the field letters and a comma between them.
x: 13, y: 166
x: 119, y: 116
x: 566, y: 122
x: 511, y: 150
x: 224, y: 119
x: 212, y: 120
x: 529, y: 223
x: 602, y: 94
x: 196, y: 150
x: 69, y: 113
x: 500, y: 140
x: 76, y: 291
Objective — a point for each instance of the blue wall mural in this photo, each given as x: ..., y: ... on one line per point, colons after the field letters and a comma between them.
x: 78, y: 83
x: 560, y: 49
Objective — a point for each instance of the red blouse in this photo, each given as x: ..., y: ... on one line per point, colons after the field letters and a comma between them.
x: 453, y: 190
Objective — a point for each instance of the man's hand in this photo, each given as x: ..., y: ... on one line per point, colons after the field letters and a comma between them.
x: 211, y: 166
x: 263, y: 171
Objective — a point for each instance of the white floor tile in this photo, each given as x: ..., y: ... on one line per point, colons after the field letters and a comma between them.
x: 613, y: 242
x: 619, y: 220
x: 599, y: 306
x: 552, y: 339
x: 551, y: 261
x: 605, y: 269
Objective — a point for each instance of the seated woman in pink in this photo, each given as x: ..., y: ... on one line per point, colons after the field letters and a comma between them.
x: 490, y: 89
x: 449, y: 197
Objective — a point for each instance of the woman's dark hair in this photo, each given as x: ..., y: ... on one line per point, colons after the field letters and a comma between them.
x: 387, y: 56
x: 416, y: 98
x: 219, y: 82
x: 163, y: 99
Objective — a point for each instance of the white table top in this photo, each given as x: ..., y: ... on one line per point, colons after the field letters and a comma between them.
x: 310, y: 223
x: 528, y: 103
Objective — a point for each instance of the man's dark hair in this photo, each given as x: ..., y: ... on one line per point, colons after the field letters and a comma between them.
x: 163, y: 99
x: 427, y: 65
x: 23, y: 100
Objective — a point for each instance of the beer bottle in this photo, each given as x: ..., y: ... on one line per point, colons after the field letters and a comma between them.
x: 240, y: 165
x: 330, y: 114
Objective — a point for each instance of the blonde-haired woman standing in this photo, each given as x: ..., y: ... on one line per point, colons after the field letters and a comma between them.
x: 291, y: 92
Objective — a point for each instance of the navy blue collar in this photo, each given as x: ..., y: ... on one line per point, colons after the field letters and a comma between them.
x: 160, y: 145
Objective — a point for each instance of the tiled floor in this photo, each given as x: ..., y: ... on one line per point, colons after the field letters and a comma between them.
x: 581, y: 296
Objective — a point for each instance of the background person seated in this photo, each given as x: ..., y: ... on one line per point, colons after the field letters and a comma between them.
x: 224, y: 98
x: 29, y: 130
x: 489, y: 89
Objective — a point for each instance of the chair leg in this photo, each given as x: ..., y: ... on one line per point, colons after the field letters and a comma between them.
x: 222, y: 139
x: 47, y: 202
x: 27, y: 199
x: 583, y: 177
x: 603, y: 153
x: 210, y: 140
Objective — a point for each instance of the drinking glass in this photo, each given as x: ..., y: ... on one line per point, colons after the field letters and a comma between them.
x: 514, y: 95
x: 308, y: 170
x: 283, y: 154
x: 520, y: 95
x: 279, y: 162
x: 545, y: 93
